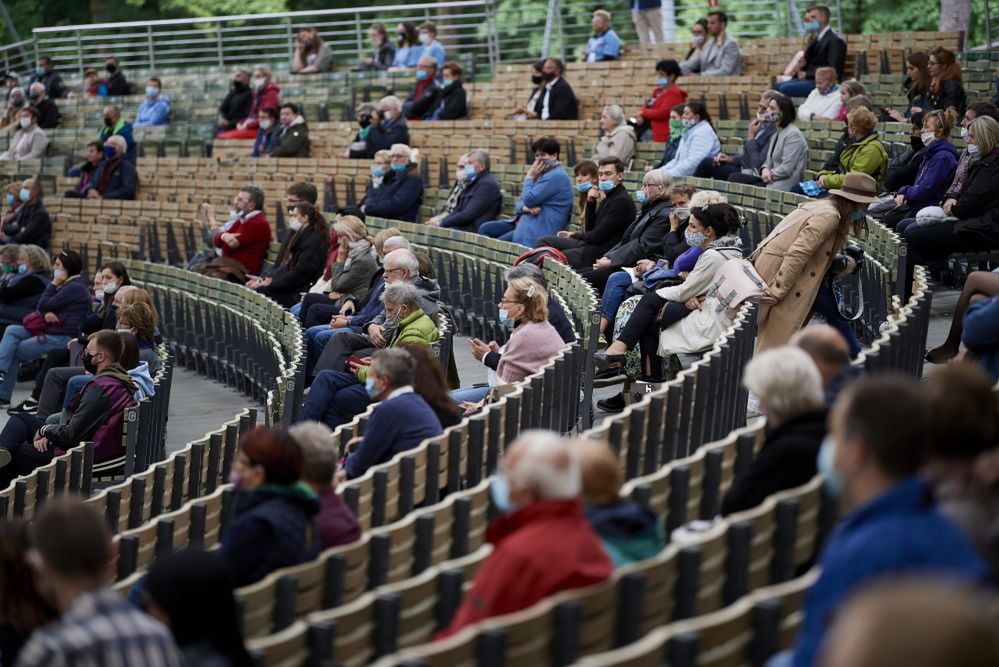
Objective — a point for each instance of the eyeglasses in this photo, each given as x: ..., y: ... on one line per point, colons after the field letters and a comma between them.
x: 513, y: 301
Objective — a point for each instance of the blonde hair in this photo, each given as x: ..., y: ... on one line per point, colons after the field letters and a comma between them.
x: 140, y: 316
x: 530, y: 294
x: 985, y: 130
x: 135, y: 295
x: 604, y: 14
x: 37, y: 257
x: 350, y: 228
x: 706, y: 197
x: 383, y: 235
x: 383, y: 155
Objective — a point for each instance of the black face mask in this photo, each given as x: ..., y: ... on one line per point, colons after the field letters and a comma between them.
x: 364, y: 121
x: 111, y: 67
x: 917, y: 142
x: 537, y: 78
x: 88, y: 363
x: 32, y: 96
x: 239, y: 86
x: 108, y: 121
x: 549, y: 76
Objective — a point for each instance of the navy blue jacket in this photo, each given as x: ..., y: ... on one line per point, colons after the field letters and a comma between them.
x: 272, y: 528
x: 372, y: 307
x: 123, y: 182
x: 19, y: 295
x: 70, y: 302
x: 399, y: 196
x: 386, y: 133
x: 396, y: 425
x: 981, y: 334
x: 479, y: 202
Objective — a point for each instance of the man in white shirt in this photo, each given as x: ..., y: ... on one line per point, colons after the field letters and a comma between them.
x: 824, y: 102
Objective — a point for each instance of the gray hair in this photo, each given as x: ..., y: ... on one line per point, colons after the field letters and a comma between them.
x: 392, y: 101
x: 481, y: 155
x: 547, y: 464
x: 786, y: 381
x: 37, y: 87
x: 396, y: 365
x: 395, y: 243
x: 770, y: 95
x: 529, y: 271
x: 118, y: 141
x: 10, y: 252
x: 403, y: 258
x: 319, y: 451
x: 402, y: 293
x: 403, y: 148
x: 615, y: 112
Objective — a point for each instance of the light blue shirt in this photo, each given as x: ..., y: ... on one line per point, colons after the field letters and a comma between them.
x: 606, y: 46
x: 697, y: 143
x: 435, y: 51
x: 407, y: 56
x: 153, y: 111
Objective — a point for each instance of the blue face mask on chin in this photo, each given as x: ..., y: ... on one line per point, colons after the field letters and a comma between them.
x: 499, y: 491
x: 607, y: 186
x: 830, y: 478
x: 398, y: 168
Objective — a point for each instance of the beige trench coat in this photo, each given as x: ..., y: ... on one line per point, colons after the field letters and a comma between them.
x: 793, y: 260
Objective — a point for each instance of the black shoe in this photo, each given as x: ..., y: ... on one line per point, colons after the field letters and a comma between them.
x: 26, y: 407
x: 608, y: 374
x: 604, y: 361
x: 4, y: 458
x: 612, y: 404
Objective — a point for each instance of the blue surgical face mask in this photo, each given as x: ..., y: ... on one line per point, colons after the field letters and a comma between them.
x: 499, y: 491
x: 377, y: 172
x: 830, y: 478
x: 505, y: 319
x: 641, y: 196
x: 663, y: 81
x: 694, y: 238
x: 152, y: 91
x: 24, y: 194
x: 369, y: 387
x: 22, y: 268
x: 584, y: 187
x: 447, y: 82
x: 812, y: 26
x: 607, y: 186
x: 470, y: 172
x: 110, y: 152
x: 58, y: 273
x: 40, y: 71
x: 859, y: 215
x: 10, y: 199
x: 398, y: 168
x: 420, y: 75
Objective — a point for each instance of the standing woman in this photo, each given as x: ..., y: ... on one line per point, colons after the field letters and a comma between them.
x: 946, y: 84
x: 300, y: 260
x: 796, y: 256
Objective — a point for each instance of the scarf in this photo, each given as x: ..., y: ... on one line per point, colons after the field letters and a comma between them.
x: 118, y: 372
x: 356, y: 250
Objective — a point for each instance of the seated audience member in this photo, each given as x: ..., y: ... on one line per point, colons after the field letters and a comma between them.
x: 720, y: 55
x: 980, y: 337
x: 918, y: 621
x: 824, y: 102
x: 891, y: 526
x: 28, y: 442
x: 430, y: 46
x: 268, y: 132
x: 676, y: 132
x: 460, y: 181
x: 300, y: 260
x: 293, y: 136
x: 117, y: 84
x: 48, y: 112
x: 237, y: 102
x: 629, y: 531
x: 155, y: 109
x: 655, y: 114
x: 29, y: 142
x: 94, y: 85
x: 789, y: 388
x: 352, y: 273
x: 545, y: 203
x: 336, y: 395
x: 246, y: 241
x: 16, y: 100
x: 19, y: 294
x: 137, y: 370
x: 430, y: 383
x: 191, y: 591
x: 479, y: 201
x: 946, y: 87
x: 409, y: 49
x: 46, y: 74
x: 903, y: 167
x: 786, y: 153
x: 140, y: 319
x: 72, y: 547
x: 713, y: 229
x: 86, y: 171
x: 383, y: 54
x: 964, y: 430
x: 935, y: 173
x: 401, y: 192
x: 527, y: 111
x: 825, y: 49
x: 311, y: 53
x: 863, y: 153
x: 533, y: 343
x: 543, y: 543
x: 978, y: 286
x: 388, y: 126
x: 23, y: 607
x: 586, y: 181
x: 451, y: 102
x: 420, y: 103
x: 618, y: 139
x: 847, y: 91
x: 116, y: 126
x: 916, y: 86
x: 754, y: 148
x: 557, y: 102
x: 336, y: 522
x: 358, y: 148
x: 381, y: 165
x: 832, y: 164
x: 830, y: 352
x: 402, y: 419
x: 273, y: 524
x: 115, y: 177
x: 973, y: 222
x: 968, y: 155
x: 265, y: 93
x: 31, y: 224
x: 8, y: 262
x: 604, y: 224
x: 698, y: 142
x: 603, y: 44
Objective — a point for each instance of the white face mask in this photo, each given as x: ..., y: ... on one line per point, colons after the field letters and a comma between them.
x: 972, y: 149
x: 928, y: 138
x: 258, y: 82
x: 295, y: 224
x: 266, y: 124
x: 425, y: 38
x: 964, y: 133
x: 110, y: 287
x: 698, y: 40
x: 25, y: 122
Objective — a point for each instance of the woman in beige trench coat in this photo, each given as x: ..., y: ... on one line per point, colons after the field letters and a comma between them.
x: 797, y: 254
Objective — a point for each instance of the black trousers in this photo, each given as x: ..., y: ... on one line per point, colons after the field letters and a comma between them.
x: 643, y: 329
x: 54, y: 359
x: 17, y: 437
x: 311, y: 301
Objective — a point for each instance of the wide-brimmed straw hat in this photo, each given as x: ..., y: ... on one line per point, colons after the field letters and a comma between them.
x: 858, y: 187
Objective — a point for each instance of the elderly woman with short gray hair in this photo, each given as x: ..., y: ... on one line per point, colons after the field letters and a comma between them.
x: 619, y: 138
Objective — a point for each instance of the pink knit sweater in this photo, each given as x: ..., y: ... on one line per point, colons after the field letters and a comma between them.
x: 530, y: 347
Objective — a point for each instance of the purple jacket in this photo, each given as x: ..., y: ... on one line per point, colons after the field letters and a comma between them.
x: 934, y: 176
x: 96, y: 416
x: 686, y: 261
x: 336, y: 523
x: 70, y: 302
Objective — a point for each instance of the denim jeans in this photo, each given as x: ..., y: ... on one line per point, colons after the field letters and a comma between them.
x: 615, y: 292
x: 825, y: 305
x: 796, y: 87
x: 472, y: 394
x: 498, y: 229
x: 296, y: 309
x: 335, y: 398
x: 316, y: 339
x: 17, y: 346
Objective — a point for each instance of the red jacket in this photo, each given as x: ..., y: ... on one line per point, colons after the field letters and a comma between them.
x: 657, y: 109
x: 268, y: 97
x: 543, y: 549
x: 254, y: 236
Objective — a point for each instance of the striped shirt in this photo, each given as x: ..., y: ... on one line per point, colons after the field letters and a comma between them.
x: 101, y: 630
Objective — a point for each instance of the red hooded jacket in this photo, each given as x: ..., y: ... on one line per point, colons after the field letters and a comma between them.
x: 658, y: 106
x: 543, y: 549
x: 254, y: 236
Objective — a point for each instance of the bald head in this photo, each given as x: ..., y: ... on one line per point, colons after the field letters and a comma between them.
x: 428, y: 61
x: 827, y: 348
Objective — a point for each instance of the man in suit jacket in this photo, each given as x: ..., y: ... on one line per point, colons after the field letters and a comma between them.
x: 480, y: 201
x: 422, y: 101
x: 827, y: 49
x: 558, y: 101
x: 721, y: 55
